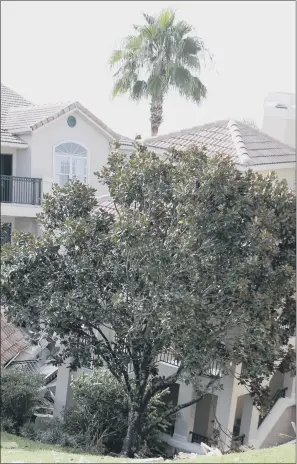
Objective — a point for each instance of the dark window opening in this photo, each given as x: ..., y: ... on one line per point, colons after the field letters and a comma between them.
x: 5, y: 233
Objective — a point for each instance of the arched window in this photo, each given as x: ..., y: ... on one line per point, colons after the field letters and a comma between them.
x: 71, y: 162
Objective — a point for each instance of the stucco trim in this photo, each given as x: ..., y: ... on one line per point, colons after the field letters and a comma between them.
x: 21, y: 146
x: 272, y: 166
x: 76, y: 106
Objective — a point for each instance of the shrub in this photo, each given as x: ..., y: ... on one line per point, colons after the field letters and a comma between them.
x: 97, y: 422
x: 100, y: 415
x: 19, y: 396
x: 100, y: 412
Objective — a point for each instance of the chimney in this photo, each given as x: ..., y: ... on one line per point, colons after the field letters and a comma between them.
x: 279, y: 117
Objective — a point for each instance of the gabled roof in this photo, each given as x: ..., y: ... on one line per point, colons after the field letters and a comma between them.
x: 245, y: 143
x: 10, y: 99
x: 20, y: 115
x: 13, y: 340
x: 31, y: 117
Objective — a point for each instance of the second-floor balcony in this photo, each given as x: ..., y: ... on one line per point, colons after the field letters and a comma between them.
x: 20, y: 190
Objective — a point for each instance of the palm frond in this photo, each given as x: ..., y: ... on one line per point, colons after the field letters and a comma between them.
x: 116, y: 56
x: 192, y: 62
x: 166, y: 18
x: 139, y: 90
x: 189, y: 86
x: 149, y: 19
x: 196, y: 91
x: 157, y: 85
x: 158, y: 56
x: 191, y: 45
x: 183, y: 28
x: 134, y: 42
x: 121, y: 85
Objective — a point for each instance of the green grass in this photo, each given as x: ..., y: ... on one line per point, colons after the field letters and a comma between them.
x: 20, y: 449
x: 15, y: 448
x: 279, y: 454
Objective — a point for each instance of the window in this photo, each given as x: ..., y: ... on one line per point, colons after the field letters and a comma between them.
x: 71, y: 162
x: 71, y: 121
x: 5, y: 233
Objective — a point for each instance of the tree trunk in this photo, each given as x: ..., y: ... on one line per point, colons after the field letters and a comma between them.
x: 130, y: 441
x: 156, y: 118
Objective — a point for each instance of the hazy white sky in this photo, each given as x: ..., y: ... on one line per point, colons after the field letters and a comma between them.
x: 58, y: 51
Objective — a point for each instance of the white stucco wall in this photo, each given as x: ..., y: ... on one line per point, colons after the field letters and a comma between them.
x: 24, y: 224
x: 279, y: 430
x: 288, y: 174
x: 23, y: 158
x: 85, y: 133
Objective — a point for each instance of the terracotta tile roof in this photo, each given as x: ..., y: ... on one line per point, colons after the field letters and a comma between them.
x: 243, y: 142
x: 13, y: 340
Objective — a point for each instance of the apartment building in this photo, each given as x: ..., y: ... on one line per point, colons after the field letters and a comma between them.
x: 42, y: 144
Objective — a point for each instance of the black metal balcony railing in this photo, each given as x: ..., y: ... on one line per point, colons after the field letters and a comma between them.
x: 197, y: 438
x: 23, y: 190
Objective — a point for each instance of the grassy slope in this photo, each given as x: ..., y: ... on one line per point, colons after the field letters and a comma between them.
x: 19, y: 449
x: 15, y: 448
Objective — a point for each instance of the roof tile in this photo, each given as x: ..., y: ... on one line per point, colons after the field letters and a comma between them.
x: 13, y: 340
x: 217, y: 137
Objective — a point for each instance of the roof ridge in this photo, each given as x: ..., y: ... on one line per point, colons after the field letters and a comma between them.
x: 58, y: 109
x: 237, y: 139
x: 41, y: 105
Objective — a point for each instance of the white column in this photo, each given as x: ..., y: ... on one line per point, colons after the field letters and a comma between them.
x: 63, y: 395
x: 249, y: 420
x: 185, y: 417
x: 226, y: 407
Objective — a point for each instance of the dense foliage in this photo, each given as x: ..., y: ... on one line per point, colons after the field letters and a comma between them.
x: 101, y: 410
x: 159, y: 57
x: 19, y: 397
x: 198, y: 260
x: 98, y: 419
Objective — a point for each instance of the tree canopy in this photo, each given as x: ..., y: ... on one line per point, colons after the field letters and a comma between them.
x: 159, y: 56
x: 198, y: 259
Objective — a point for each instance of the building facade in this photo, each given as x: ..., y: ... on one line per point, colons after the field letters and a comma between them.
x: 43, y: 144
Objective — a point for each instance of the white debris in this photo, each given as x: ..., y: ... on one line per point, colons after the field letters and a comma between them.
x: 210, y: 451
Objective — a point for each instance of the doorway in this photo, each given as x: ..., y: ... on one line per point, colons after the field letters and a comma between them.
x: 6, y: 178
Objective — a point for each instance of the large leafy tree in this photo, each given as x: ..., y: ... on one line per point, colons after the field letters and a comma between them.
x: 160, y: 56
x: 197, y: 259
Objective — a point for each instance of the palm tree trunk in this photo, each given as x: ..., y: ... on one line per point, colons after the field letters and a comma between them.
x: 156, y: 118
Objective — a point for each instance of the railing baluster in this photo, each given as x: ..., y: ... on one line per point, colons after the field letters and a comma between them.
x: 22, y: 190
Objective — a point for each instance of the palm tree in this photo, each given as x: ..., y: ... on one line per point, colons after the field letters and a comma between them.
x: 159, y: 57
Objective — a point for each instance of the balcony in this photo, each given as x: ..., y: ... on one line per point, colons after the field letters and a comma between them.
x: 20, y: 190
